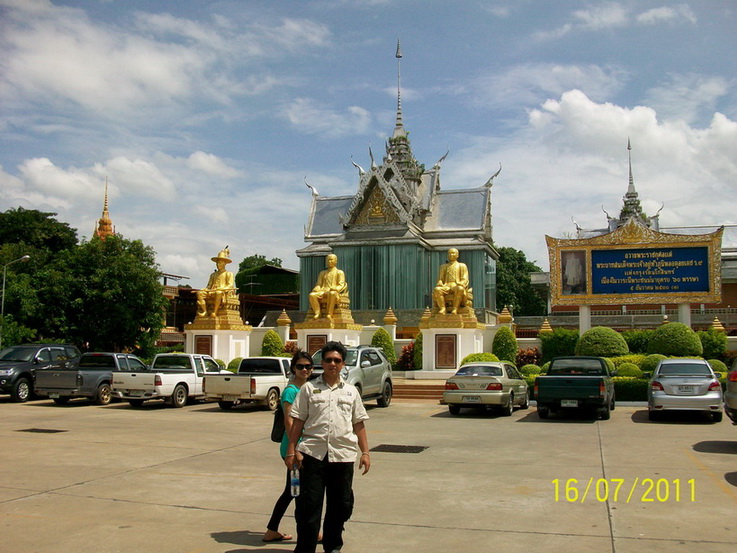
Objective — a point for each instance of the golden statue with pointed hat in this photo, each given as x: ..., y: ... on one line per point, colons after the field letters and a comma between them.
x: 220, y: 285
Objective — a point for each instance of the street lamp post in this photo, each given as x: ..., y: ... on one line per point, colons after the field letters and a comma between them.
x: 2, y: 301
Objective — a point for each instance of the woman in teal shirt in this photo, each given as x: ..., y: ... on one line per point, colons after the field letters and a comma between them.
x: 301, y: 368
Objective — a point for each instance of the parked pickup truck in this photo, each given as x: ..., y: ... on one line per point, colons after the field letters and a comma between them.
x: 258, y: 380
x: 174, y: 377
x: 576, y: 383
x: 92, y: 377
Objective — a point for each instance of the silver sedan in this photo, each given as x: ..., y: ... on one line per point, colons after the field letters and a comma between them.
x: 684, y: 385
x: 495, y: 384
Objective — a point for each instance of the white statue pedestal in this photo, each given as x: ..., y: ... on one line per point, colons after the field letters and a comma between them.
x: 315, y: 333
x: 446, y: 340
x: 223, y: 338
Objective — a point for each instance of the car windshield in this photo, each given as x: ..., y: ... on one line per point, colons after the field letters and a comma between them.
x: 578, y: 366
x: 97, y: 361
x: 18, y: 354
x: 172, y: 362
x: 684, y: 369
x: 260, y: 366
x: 479, y: 370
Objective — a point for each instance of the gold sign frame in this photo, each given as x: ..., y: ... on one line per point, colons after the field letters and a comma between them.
x: 574, y: 254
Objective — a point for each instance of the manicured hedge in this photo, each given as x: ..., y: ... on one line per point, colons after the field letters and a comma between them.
x: 675, y: 339
x: 627, y: 388
x: 504, y: 345
x: 479, y: 357
x: 601, y: 341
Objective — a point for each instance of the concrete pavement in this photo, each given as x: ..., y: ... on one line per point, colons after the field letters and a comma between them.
x: 82, y: 478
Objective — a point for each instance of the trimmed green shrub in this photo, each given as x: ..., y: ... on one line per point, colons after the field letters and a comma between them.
x: 601, y: 341
x: 610, y: 364
x: 713, y: 342
x: 675, y: 339
x: 560, y: 342
x: 629, y: 369
x: 234, y: 364
x: 718, y: 367
x: 627, y: 388
x: 530, y: 370
x: 650, y: 362
x: 544, y: 368
x: 634, y: 358
x: 530, y: 379
x: 479, y: 357
x: 272, y: 345
x: 418, y: 351
x: 220, y: 363
x: 381, y: 339
x: 504, y: 345
x: 637, y: 340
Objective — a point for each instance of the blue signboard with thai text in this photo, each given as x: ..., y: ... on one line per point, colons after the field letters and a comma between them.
x: 650, y: 270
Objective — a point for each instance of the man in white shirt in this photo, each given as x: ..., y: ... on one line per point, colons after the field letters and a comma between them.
x: 329, y: 418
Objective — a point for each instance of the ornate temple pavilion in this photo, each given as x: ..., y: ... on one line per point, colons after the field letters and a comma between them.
x: 393, y: 234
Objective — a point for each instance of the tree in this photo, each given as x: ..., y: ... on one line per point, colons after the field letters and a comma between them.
x: 248, y: 274
x: 36, y: 229
x: 381, y: 339
x: 513, y: 285
x: 110, y: 295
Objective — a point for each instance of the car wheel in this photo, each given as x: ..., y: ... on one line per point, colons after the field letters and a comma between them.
x: 179, y: 396
x: 135, y: 402
x: 226, y: 405
x: 21, y: 390
x: 272, y: 400
x: 508, y: 409
x: 543, y: 412
x: 526, y: 401
x: 386, y: 395
x: 104, y: 394
x: 613, y: 404
x: 454, y: 409
x: 604, y: 413
x: 717, y: 417
x: 61, y: 400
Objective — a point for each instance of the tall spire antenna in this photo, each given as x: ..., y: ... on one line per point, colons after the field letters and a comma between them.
x: 631, y: 187
x: 398, y: 55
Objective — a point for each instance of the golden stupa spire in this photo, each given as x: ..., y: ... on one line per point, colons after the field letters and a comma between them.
x: 104, y: 224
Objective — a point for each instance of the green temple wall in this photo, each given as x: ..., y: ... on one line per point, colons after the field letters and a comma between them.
x: 398, y: 276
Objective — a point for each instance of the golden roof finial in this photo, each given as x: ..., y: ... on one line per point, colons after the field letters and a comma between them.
x: 283, y: 319
x: 390, y: 318
x: 104, y: 224
x: 545, y: 327
x: 717, y: 325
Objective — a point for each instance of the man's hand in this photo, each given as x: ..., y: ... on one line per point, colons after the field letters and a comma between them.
x: 364, y: 463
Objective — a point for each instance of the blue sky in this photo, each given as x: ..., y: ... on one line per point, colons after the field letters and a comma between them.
x: 206, y: 116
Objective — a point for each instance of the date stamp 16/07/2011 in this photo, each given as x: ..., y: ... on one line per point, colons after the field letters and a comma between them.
x: 622, y: 490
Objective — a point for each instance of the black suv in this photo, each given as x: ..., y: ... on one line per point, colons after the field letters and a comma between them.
x: 17, y: 364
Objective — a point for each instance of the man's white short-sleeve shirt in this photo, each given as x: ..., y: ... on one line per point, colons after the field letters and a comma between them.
x: 329, y: 415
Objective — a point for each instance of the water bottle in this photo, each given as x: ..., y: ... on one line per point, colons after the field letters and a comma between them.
x: 294, y: 482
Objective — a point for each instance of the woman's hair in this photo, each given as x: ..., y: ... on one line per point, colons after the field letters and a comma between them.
x: 297, y: 356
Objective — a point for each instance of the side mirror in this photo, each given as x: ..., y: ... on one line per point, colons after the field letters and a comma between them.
x: 718, y: 375
x: 365, y: 364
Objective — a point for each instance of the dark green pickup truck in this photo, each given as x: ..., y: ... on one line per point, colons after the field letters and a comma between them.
x: 576, y: 383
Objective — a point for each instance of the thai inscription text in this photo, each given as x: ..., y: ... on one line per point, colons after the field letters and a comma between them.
x: 648, y: 271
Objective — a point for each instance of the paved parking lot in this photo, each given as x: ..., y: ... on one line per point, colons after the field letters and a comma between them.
x: 83, y: 478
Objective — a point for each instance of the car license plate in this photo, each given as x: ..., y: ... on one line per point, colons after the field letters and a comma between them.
x: 685, y: 389
x: 569, y: 403
x: 135, y: 393
x: 54, y: 396
x: 229, y: 398
x: 471, y: 399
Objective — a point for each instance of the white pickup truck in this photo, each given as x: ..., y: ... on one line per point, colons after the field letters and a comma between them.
x: 258, y: 380
x: 174, y: 377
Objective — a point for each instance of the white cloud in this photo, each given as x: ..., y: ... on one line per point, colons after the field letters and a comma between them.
x: 139, y: 177
x: 601, y: 16
x: 212, y: 165
x: 688, y: 97
x: 308, y: 117
x: 666, y: 13
x: 571, y: 159
x: 530, y: 84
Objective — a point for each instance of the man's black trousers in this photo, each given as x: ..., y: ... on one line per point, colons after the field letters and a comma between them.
x: 318, y: 480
